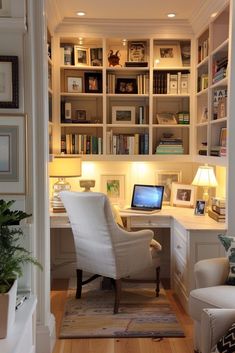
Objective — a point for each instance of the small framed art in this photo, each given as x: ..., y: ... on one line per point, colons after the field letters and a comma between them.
x: 74, y: 84
x: 168, y: 55
x: 123, y: 115
x: 96, y: 56
x: 9, y: 85
x: 126, y: 85
x: 166, y: 178
x: 137, y: 51
x: 93, y: 82
x: 81, y: 56
x: 183, y: 195
x: 114, y: 187
x: 200, y: 208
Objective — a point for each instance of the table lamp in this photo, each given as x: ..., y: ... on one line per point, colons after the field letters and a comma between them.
x: 205, y: 177
x: 61, y: 168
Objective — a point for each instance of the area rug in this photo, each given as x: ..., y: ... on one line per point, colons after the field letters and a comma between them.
x: 141, y: 314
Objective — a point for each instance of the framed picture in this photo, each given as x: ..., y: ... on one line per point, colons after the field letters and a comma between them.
x: 96, y: 56
x: 80, y: 116
x: 166, y: 178
x: 9, y: 85
x: 5, y: 8
x: 223, y: 137
x: 114, y: 187
x: 126, y: 85
x: 204, y: 116
x: 12, y: 154
x: 200, y: 208
x: 81, y: 56
x: 183, y: 195
x: 137, y: 51
x: 168, y: 55
x: 166, y: 119
x: 93, y: 82
x: 222, y: 108
x: 123, y: 115
x: 74, y: 84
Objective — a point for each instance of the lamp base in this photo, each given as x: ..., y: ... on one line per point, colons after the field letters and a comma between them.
x: 56, y: 203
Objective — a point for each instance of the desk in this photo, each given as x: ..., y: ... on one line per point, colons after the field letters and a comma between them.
x: 192, y: 238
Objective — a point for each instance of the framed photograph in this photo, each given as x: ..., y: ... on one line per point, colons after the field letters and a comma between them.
x: 80, y: 116
x: 204, y: 116
x: 96, y: 56
x: 126, y: 85
x: 12, y: 154
x: 137, y: 51
x: 183, y: 195
x: 114, y: 187
x: 168, y: 55
x: 200, y: 208
x: 222, y: 108
x: 166, y: 119
x: 223, y: 137
x: 5, y: 8
x: 81, y: 56
x: 166, y: 178
x: 74, y: 84
x: 93, y: 82
x: 123, y: 115
x: 9, y: 85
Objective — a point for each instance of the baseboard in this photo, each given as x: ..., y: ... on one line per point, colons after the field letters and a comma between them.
x: 46, y: 336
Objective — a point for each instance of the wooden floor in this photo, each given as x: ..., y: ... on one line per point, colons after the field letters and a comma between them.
x: 120, y: 345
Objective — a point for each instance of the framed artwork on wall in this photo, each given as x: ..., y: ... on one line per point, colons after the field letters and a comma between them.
x: 12, y: 154
x: 166, y: 178
x: 168, y: 55
x: 114, y: 187
x: 81, y: 56
x: 5, y: 8
x: 123, y: 115
x: 183, y: 195
x: 9, y: 85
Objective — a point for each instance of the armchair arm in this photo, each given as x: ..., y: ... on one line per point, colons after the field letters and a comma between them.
x: 211, y: 272
x: 214, y: 324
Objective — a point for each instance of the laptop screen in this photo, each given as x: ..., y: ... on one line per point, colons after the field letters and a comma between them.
x: 147, y: 197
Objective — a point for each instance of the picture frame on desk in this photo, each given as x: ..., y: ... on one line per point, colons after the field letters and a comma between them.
x: 200, y: 208
x: 166, y: 178
x: 93, y: 82
x: 81, y: 56
x: 123, y: 115
x: 114, y: 187
x: 12, y: 154
x: 183, y: 195
x: 168, y: 55
x: 9, y: 84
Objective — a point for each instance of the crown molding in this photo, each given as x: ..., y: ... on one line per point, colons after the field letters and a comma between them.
x: 202, y: 17
x: 141, y: 28
x: 10, y: 25
x: 53, y: 15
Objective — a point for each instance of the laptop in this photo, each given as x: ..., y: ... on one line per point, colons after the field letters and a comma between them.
x: 146, y: 198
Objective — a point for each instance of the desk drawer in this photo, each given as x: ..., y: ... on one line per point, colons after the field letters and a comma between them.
x: 180, y: 272
x: 150, y: 222
x: 179, y: 245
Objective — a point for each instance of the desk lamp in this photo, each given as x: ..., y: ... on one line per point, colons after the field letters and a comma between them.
x: 205, y: 177
x: 61, y: 168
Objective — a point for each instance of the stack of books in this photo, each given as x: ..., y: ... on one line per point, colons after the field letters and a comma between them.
x: 170, y: 145
x: 218, y: 209
x: 218, y: 151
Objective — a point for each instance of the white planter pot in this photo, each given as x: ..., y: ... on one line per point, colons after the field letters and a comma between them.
x: 7, y: 310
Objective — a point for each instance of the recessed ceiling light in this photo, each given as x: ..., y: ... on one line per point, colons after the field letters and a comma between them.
x: 81, y: 13
x: 171, y: 15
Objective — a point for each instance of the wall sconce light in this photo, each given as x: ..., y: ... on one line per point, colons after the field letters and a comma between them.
x: 62, y: 168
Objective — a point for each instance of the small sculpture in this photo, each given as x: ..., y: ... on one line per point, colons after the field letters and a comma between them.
x: 114, y: 59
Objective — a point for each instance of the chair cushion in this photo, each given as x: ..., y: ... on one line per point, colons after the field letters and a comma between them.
x: 211, y: 297
x: 227, y: 343
x: 229, y: 245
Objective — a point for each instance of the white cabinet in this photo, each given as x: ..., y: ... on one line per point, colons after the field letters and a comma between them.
x: 189, y: 247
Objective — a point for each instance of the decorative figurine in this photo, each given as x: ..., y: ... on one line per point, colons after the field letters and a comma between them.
x: 114, y: 59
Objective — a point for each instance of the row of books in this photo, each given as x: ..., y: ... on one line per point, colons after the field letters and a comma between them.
x: 171, y: 83
x: 183, y: 118
x: 203, y: 50
x: 218, y: 151
x: 81, y: 144
x: 170, y: 145
x: 202, y: 82
x: 219, y: 69
x: 127, y: 143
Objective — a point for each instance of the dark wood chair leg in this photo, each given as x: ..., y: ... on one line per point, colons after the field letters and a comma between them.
x: 117, y: 295
x: 157, y: 281
x: 79, y: 284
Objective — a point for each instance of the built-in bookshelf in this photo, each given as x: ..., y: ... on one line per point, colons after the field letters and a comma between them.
x: 212, y: 82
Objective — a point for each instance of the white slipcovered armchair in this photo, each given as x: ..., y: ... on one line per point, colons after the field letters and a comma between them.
x: 211, y: 293
x: 102, y: 247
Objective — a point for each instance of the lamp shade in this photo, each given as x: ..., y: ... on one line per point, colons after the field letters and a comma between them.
x: 205, y: 176
x: 65, y: 167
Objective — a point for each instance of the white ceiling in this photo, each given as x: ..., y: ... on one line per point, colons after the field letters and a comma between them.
x: 129, y: 9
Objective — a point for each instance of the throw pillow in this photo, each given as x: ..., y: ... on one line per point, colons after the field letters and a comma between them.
x: 229, y: 245
x: 227, y: 343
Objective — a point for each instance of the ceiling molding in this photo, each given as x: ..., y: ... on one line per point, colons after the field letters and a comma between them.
x: 141, y: 28
x: 202, y: 17
x: 10, y: 24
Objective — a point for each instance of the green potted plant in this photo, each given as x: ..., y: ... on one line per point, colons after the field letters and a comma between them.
x: 12, y: 257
